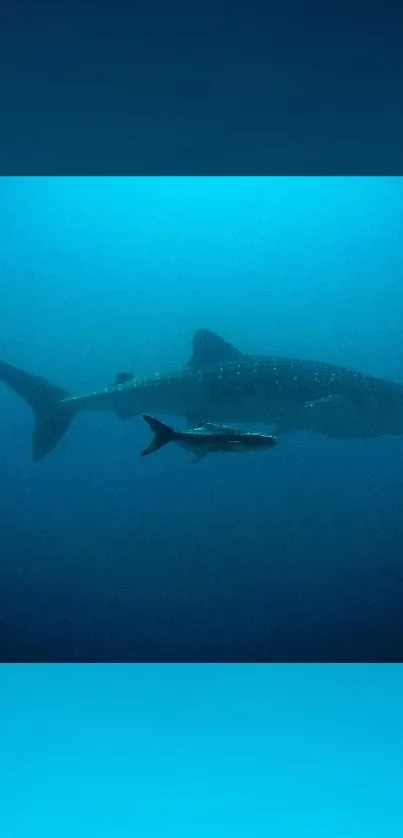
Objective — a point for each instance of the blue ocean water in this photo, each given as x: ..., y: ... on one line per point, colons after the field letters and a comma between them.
x: 290, y: 555
x: 208, y: 750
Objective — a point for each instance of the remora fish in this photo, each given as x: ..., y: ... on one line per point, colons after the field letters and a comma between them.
x: 222, y: 384
x: 207, y: 439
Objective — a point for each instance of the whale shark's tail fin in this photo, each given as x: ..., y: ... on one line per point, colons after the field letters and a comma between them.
x: 52, y: 418
x: 162, y: 434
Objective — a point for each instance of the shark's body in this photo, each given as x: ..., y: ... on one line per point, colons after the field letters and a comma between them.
x: 220, y: 384
x: 207, y: 439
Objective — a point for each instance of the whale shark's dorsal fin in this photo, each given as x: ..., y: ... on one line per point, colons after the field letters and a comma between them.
x: 209, y: 350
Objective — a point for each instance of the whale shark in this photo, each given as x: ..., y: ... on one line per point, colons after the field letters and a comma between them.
x: 222, y: 384
x: 206, y: 439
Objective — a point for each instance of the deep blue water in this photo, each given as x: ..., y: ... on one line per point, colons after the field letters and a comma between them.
x: 295, y: 554
x: 227, y: 88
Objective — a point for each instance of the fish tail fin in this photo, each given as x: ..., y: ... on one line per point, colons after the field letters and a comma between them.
x: 52, y: 418
x: 162, y: 434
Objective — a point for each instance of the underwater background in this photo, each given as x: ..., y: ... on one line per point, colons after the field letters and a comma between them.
x: 295, y: 554
x: 217, y: 750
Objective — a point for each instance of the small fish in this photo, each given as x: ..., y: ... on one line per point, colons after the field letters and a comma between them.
x: 206, y: 439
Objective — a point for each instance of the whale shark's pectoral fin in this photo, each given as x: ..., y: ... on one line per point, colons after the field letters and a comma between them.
x: 196, y: 452
x: 198, y: 455
x: 331, y: 415
x: 323, y: 403
x: 324, y: 409
x: 365, y: 400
